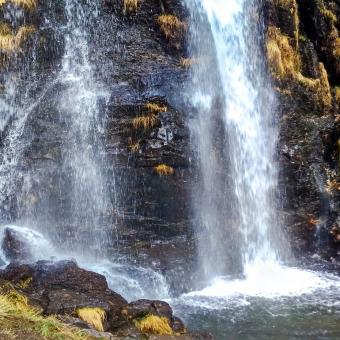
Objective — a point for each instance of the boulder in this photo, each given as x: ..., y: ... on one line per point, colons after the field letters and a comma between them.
x: 62, y: 287
x: 141, y: 308
x: 14, y: 247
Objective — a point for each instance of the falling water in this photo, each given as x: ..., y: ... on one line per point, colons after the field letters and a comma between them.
x: 82, y: 152
x: 249, y: 291
x: 82, y: 229
x: 237, y: 198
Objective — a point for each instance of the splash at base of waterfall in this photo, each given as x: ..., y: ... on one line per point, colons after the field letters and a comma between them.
x: 266, y: 280
x: 270, y: 302
x: 131, y: 281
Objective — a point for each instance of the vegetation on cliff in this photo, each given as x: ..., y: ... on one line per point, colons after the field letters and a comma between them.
x: 19, y: 320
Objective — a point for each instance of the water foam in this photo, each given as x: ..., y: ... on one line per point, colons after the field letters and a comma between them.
x: 269, y: 280
x: 130, y: 281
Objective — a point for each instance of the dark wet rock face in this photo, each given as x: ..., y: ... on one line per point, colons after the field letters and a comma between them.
x: 63, y: 287
x: 308, y: 105
x: 138, y: 66
x: 14, y: 248
x: 141, y: 308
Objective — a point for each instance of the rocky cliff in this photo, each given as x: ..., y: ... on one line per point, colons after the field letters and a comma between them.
x: 302, y: 45
x: 138, y: 49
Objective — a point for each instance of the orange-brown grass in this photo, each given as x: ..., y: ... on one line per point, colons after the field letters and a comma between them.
x: 10, y: 42
x: 328, y: 15
x: 171, y: 27
x: 282, y: 58
x: 332, y: 185
x: 152, y: 324
x: 134, y: 147
x: 337, y: 95
x: 164, y: 170
x: 28, y: 4
x: 144, y: 122
x: 284, y: 62
x: 130, y: 6
x: 155, y: 108
x: 15, y: 313
x: 93, y: 316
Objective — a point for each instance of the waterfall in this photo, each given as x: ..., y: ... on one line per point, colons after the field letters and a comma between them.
x: 60, y: 208
x: 235, y: 109
x: 81, y: 105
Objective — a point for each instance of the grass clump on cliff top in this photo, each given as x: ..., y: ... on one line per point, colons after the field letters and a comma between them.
x: 130, y: 6
x: 28, y: 4
x: 152, y: 324
x: 10, y: 42
x: 164, y: 170
x: 18, y: 319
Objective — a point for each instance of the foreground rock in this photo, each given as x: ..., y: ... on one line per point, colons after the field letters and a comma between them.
x: 63, y: 289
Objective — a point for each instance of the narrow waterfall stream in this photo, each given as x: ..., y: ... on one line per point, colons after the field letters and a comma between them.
x: 242, y: 101
x: 78, y: 99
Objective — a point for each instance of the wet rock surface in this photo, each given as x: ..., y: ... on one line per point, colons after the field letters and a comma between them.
x: 14, y: 247
x: 61, y: 288
x: 308, y: 106
x: 136, y: 65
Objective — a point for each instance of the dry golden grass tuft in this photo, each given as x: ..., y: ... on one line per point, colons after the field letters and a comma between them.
x: 15, y: 313
x: 284, y: 62
x: 332, y: 185
x: 152, y: 107
x: 130, y: 6
x: 24, y: 284
x: 28, y: 4
x: 10, y: 42
x: 164, y: 170
x: 152, y: 324
x: 172, y: 28
x: 94, y: 316
x: 134, y: 147
x: 337, y: 95
x: 328, y: 15
x: 144, y: 122
x: 283, y: 59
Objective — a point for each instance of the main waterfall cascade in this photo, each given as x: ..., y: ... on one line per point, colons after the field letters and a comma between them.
x: 235, y: 131
x: 243, y: 103
x: 238, y: 183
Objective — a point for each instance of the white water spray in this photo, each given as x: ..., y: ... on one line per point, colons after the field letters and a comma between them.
x: 79, y: 231
x: 244, y: 104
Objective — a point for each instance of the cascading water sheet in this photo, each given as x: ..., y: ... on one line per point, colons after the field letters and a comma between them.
x: 246, y: 111
x: 78, y: 102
